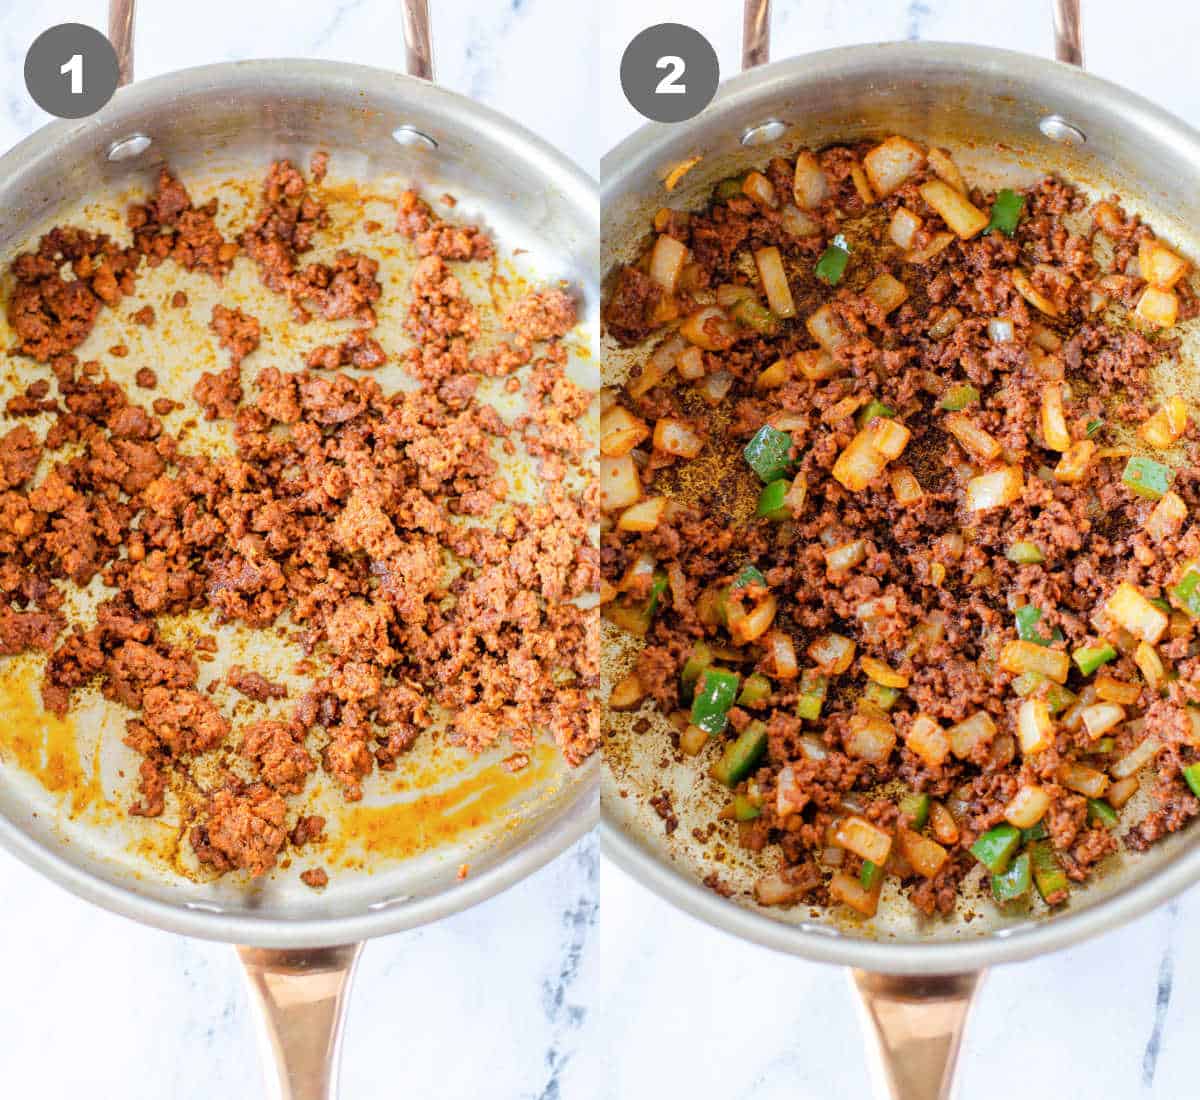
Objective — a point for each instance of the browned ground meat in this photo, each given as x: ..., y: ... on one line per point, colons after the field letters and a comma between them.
x: 927, y: 589
x: 52, y: 315
x: 316, y: 877
x: 337, y: 506
x: 238, y: 332
x: 244, y: 829
x: 169, y: 226
x: 254, y: 685
x: 434, y: 237
x: 20, y: 452
x: 627, y: 314
x: 278, y: 754
x: 357, y: 350
x: 219, y: 394
x: 542, y: 315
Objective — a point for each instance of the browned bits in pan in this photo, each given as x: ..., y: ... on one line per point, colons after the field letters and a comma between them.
x: 316, y: 877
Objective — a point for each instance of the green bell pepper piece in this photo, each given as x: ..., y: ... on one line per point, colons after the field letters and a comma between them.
x: 1187, y: 592
x: 871, y: 410
x: 1101, y: 813
x: 1093, y: 426
x: 995, y: 848
x: 813, y: 688
x: 1025, y: 553
x: 1058, y: 698
x: 745, y: 808
x: 1051, y: 880
x: 1147, y: 478
x: 832, y: 264
x: 1014, y: 881
x: 771, y: 500
x: 658, y: 586
x: 748, y: 576
x: 716, y: 690
x: 1006, y: 212
x: 870, y: 875
x: 1105, y: 744
x: 1027, y: 618
x: 959, y: 396
x: 1034, y: 832
x: 754, y: 315
x: 1090, y: 658
x: 1028, y: 683
x: 1191, y: 776
x: 769, y: 453
x: 741, y: 756
x: 916, y: 806
x: 701, y: 657
x: 877, y: 695
x: 755, y: 689
x: 728, y: 189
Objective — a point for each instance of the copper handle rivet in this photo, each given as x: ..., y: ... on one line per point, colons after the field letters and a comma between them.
x: 410, y: 135
x: 1057, y: 128
x: 765, y: 132
x: 128, y: 148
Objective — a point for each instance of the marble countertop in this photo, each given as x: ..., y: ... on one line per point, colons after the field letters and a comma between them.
x: 671, y: 986
x: 98, y: 1006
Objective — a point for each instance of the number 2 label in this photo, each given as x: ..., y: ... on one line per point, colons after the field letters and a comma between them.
x: 669, y: 85
x: 75, y: 67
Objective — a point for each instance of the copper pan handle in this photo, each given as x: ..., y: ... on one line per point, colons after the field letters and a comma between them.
x: 914, y: 1028
x: 299, y: 998
x: 418, y: 53
x: 120, y: 33
x: 1068, y: 32
x: 756, y: 32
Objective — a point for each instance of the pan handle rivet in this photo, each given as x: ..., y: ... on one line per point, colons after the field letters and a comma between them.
x: 764, y: 133
x: 1057, y: 128
x: 128, y: 148
x: 410, y: 135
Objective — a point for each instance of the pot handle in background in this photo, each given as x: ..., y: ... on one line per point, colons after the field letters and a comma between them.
x: 756, y: 32
x: 299, y: 999
x: 418, y: 51
x: 914, y: 1027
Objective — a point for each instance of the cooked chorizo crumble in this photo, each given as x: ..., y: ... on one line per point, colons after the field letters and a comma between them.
x: 901, y: 503
x: 376, y: 526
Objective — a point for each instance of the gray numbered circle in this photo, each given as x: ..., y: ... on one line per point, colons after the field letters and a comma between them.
x: 669, y: 72
x: 71, y: 70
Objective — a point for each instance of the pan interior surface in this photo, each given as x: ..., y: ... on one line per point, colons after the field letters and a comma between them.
x: 447, y: 827
x: 988, y: 108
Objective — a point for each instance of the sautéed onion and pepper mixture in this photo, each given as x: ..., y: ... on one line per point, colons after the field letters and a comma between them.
x: 904, y: 514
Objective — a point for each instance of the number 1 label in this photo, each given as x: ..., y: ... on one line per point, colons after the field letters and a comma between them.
x: 75, y: 67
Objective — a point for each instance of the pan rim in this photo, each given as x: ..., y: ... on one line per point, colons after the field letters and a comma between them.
x: 966, y: 59
x: 655, y: 143
x: 568, y: 821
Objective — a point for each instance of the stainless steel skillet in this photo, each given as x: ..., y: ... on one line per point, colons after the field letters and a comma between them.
x: 1006, y: 117
x: 231, y: 120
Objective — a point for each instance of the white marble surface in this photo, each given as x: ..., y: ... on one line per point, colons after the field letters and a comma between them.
x: 1109, y: 1019
x: 488, y: 1004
